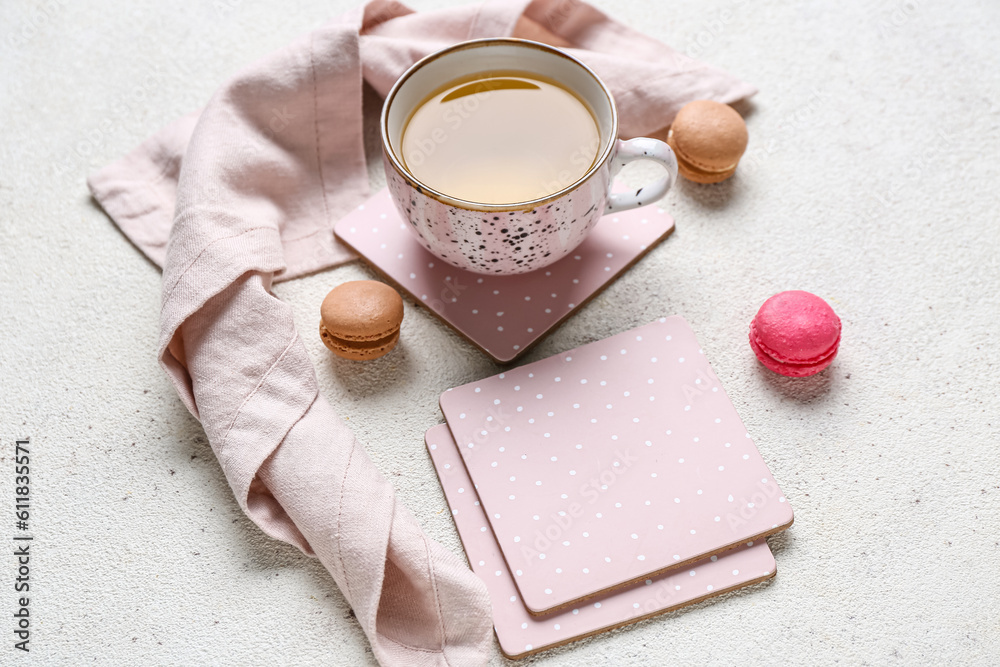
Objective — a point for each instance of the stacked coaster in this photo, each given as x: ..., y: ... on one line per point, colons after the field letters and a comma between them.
x: 603, y: 485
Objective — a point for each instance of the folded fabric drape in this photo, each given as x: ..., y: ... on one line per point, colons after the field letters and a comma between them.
x: 246, y: 192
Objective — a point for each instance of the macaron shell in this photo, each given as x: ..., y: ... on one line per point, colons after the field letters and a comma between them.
x: 710, y: 136
x: 797, y: 327
x: 795, y: 334
x: 358, y: 350
x: 362, y: 310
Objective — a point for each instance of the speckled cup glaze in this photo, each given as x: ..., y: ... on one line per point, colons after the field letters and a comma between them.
x: 521, y: 237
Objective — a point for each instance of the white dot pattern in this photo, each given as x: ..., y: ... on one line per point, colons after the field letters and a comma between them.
x: 607, y: 489
x: 519, y: 632
x: 529, y: 305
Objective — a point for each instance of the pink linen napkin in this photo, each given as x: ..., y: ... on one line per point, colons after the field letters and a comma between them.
x: 245, y: 193
x: 650, y: 82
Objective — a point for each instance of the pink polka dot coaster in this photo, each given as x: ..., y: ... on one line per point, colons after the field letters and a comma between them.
x: 521, y: 633
x: 502, y: 315
x: 604, y: 465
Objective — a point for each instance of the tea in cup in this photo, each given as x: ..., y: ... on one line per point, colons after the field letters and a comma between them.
x: 501, y: 153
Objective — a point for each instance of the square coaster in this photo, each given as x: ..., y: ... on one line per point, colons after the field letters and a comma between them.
x: 502, y: 315
x: 612, y: 462
x: 519, y: 632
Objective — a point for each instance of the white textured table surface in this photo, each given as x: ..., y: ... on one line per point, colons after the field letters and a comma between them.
x: 871, y: 180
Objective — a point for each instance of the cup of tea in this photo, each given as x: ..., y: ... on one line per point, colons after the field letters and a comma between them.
x: 501, y: 154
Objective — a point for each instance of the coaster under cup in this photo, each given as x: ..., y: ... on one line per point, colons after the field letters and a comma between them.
x: 502, y: 315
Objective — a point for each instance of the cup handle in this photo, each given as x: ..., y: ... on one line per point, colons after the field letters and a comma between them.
x: 642, y: 148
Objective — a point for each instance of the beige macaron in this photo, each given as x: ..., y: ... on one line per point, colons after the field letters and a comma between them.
x: 709, y: 139
x: 360, y: 319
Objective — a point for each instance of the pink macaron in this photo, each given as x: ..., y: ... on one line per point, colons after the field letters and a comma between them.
x: 795, y: 334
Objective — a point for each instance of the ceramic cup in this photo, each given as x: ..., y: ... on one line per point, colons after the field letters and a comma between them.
x: 477, y: 236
